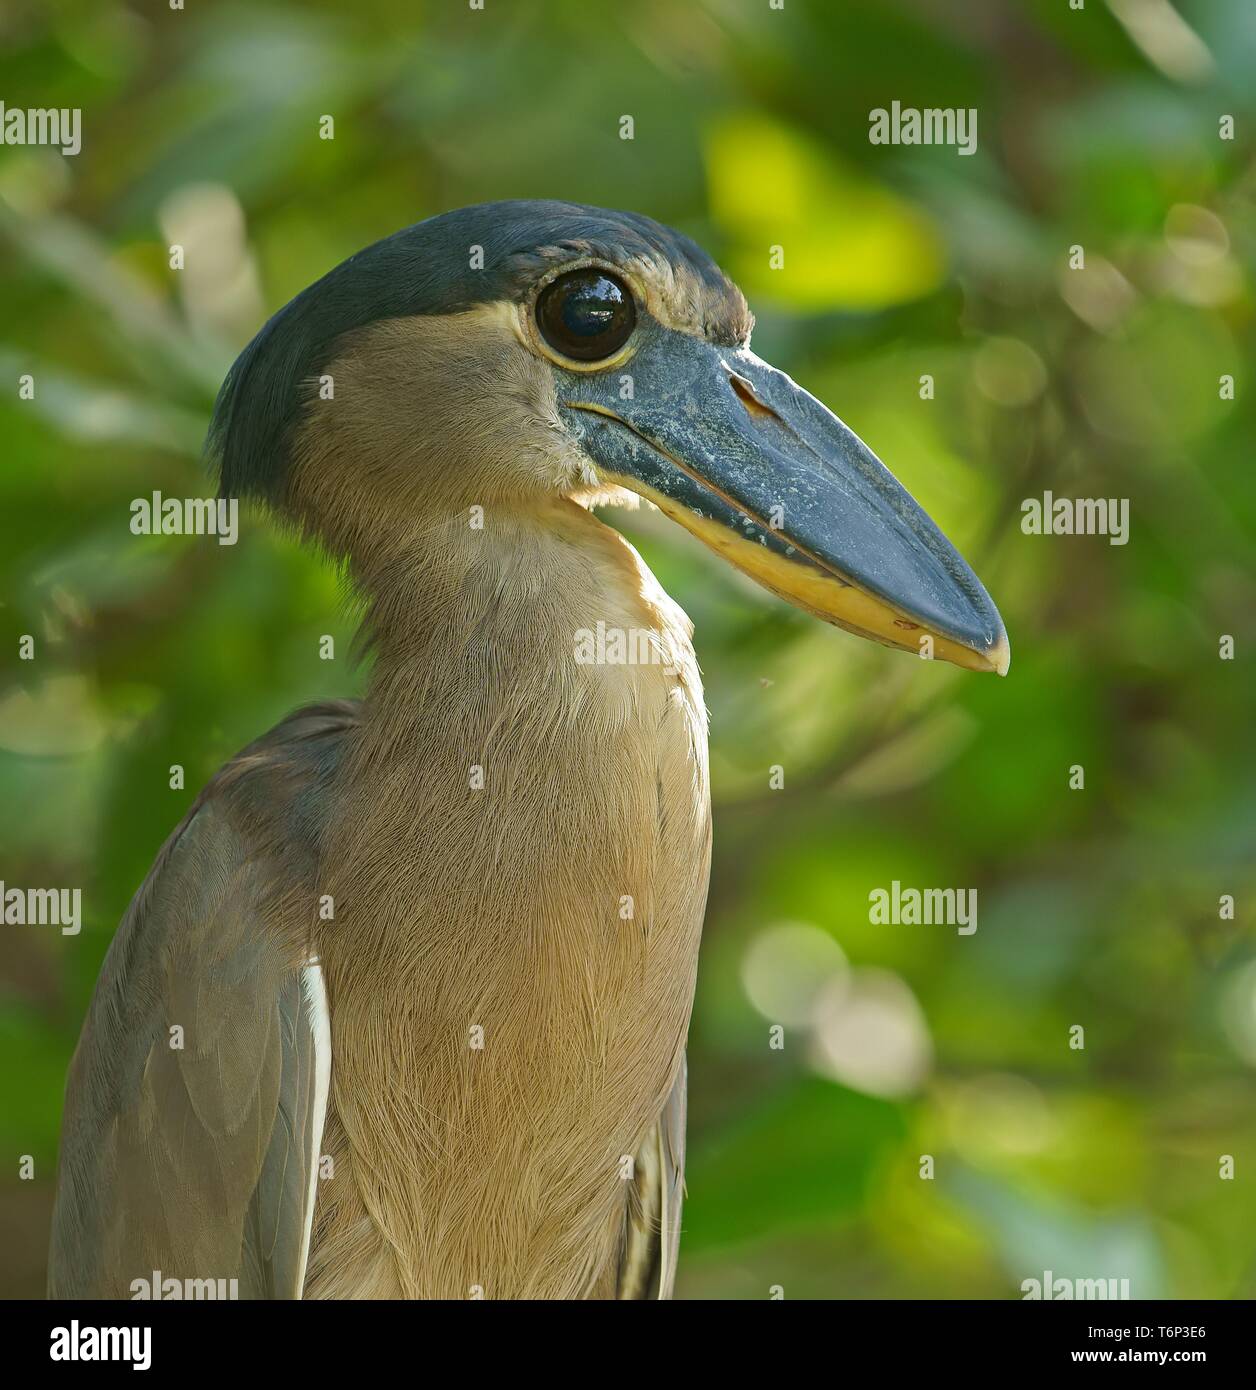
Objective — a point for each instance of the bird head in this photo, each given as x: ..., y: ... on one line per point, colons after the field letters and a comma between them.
x: 514, y: 352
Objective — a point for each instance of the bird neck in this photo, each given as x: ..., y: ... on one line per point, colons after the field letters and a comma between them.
x: 497, y: 623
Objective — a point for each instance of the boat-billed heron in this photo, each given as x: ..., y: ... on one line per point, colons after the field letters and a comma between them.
x: 400, y: 1010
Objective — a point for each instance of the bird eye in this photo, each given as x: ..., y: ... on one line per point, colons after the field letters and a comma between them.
x: 586, y: 314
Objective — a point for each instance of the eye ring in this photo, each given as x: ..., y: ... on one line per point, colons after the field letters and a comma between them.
x: 586, y: 315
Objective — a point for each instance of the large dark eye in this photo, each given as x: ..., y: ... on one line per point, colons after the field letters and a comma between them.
x: 586, y: 314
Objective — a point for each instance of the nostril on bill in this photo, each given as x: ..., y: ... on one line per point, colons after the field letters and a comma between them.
x: 745, y: 394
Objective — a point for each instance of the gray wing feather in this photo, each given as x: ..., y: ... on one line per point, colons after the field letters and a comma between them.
x: 195, y: 1161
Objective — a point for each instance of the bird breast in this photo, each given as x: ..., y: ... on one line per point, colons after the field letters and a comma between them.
x: 522, y: 842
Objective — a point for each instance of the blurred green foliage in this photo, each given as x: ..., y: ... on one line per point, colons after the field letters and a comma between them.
x: 1097, y: 907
